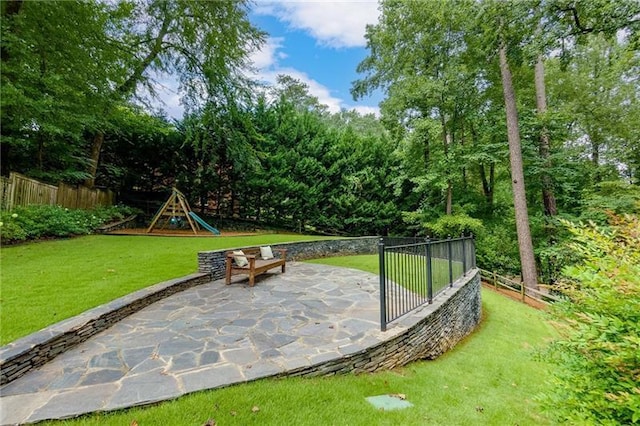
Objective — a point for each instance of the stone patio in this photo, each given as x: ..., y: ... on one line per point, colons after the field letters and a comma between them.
x: 304, y: 322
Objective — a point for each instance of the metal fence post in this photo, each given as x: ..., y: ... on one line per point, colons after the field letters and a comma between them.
x: 464, y: 255
x: 429, y: 274
x: 450, y: 255
x: 383, y: 296
x: 473, y: 250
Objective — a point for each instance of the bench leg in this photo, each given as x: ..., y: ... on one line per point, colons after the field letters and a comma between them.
x: 284, y: 267
x: 252, y: 278
x: 228, y: 273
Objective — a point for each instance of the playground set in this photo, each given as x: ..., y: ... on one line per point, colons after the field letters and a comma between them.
x: 176, y: 212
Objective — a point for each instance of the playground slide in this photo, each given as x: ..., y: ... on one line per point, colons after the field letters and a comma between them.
x: 204, y: 224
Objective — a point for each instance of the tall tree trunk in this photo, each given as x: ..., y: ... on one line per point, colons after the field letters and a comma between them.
x: 464, y: 169
x: 96, y: 148
x: 129, y: 86
x: 40, y: 154
x: 525, y: 244
x: 446, y: 139
x: 598, y: 173
x: 548, y: 197
x: 487, y: 185
x: 595, y: 152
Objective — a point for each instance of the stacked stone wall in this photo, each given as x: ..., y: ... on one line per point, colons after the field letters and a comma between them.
x: 213, y: 263
x: 26, y: 354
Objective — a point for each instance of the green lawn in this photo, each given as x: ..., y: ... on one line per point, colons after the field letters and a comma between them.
x: 45, y: 282
x: 410, y: 270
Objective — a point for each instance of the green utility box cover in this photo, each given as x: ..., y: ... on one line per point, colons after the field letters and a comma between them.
x: 388, y: 402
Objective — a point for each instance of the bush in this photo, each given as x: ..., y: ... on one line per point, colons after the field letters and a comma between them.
x: 497, y: 249
x: 10, y: 229
x: 453, y: 225
x: 617, y: 197
x: 35, y: 222
x: 599, y: 350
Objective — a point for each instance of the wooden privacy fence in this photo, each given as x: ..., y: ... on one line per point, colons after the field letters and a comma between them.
x: 498, y: 281
x: 19, y: 190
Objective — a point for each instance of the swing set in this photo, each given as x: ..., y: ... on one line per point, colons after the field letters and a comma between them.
x: 175, y: 211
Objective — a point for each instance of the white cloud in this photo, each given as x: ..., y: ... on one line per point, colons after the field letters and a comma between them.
x: 269, y: 54
x: 364, y: 110
x: 332, y: 23
x: 315, y: 88
x: 268, y: 68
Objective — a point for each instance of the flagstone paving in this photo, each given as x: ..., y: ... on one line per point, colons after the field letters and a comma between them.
x: 206, y: 337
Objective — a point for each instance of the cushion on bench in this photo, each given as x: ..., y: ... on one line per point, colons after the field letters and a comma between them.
x: 240, y: 258
x: 266, y: 253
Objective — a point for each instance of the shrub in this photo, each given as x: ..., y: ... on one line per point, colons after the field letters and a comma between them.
x: 10, y: 229
x: 599, y: 350
x: 617, y: 197
x: 497, y: 249
x: 453, y: 225
x: 35, y: 222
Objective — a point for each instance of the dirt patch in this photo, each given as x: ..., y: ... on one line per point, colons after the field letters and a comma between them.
x: 515, y: 295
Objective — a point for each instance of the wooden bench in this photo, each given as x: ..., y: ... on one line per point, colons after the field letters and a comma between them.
x: 256, y: 265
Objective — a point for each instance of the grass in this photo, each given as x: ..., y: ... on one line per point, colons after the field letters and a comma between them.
x: 488, y: 379
x: 410, y: 270
x: 45, y: 282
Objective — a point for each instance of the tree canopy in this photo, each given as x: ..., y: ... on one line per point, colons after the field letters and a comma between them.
x: 77, y: 105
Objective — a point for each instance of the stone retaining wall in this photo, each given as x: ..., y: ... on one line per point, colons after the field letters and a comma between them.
x: 30, y: 352
x: 445, y: 323
x: 212, y: 262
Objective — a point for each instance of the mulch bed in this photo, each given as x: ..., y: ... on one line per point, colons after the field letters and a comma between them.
x: 179, y: 233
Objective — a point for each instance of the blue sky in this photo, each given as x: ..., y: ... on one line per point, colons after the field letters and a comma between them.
x: 317, y: 42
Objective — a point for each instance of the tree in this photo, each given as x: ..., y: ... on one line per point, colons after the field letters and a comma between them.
x: 525, y: 243
x: 425, y: 71
x: 205, y: 43
x: 296, y: 93
x: 57, y: 68
x: 69, y: 65
x: 223, y: 139
x: 143, y: 152
x: 548, y: 196
x: 440, y: 72
x: 599, y: 90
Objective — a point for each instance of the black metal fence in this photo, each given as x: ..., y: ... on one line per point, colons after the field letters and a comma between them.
x: 415, y: 270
